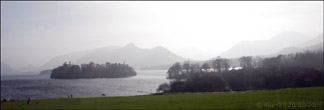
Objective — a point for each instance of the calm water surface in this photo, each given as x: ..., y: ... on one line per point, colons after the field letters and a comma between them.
x: 42, y: 87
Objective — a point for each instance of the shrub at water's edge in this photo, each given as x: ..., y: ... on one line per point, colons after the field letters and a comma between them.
x: 92, y: 70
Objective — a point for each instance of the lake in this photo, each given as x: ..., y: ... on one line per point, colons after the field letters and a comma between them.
x: 42, y: 87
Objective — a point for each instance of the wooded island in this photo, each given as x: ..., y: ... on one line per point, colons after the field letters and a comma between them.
x: 92, y: 70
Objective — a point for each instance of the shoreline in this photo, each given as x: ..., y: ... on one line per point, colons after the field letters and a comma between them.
x: 165, y: 93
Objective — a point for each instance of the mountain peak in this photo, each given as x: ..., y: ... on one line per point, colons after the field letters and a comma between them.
x: 130, y: 45
x: 159, y: 47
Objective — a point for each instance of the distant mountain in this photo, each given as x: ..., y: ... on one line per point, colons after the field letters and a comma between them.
x: 95, y: 54
x: 316, y: 47
x: 130, y: 54
x: 264, y: 47
x: 29, y: 68
x: 73, y: 57
x: 317, y: 40
x: 289, y: 50
x: 7, y: 70
x: 45, y: 72
x: 157, y: 67
x: 313, y: 45
x: 292, y: 50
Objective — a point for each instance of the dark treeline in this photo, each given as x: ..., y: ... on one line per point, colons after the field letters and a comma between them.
x: 92, y: 70
x: 283, y: 71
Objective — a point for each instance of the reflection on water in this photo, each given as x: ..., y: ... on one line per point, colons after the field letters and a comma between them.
x: 42, y: 87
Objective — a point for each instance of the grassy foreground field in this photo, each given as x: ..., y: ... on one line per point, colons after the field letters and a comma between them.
x: 301, y: 98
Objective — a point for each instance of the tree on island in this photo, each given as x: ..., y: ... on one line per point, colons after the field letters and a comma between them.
x: 92, y: 70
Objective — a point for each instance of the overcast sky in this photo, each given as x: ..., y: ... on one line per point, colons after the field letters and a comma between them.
x: 34, y: 32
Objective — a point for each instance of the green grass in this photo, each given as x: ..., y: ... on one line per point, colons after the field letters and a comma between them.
x: 301, y: 98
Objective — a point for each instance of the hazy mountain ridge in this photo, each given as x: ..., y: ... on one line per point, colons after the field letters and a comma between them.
x: 7, y: 70
x: 58, y: 60
x: 136, y: 56
x: 313, y: 45
x: 29, y: 68
x: 158, y: 57
x: 94, y: 54
x: 289, y: 50
x: 265, y: 47
x: 130, y: 54
x: 316, y: 40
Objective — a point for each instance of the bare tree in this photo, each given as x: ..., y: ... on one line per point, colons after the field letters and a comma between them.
x: 246, y: 62
x: 205, y: 66
x: 213, y: 64
x: 256, y: 62
x: 196, y: 67
x: 226, y: 64
x: 186, y: 66
x: 219, y: 63
x: 174, y: 70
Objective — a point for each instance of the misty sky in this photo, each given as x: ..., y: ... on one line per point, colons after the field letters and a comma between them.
x: 34, y: 32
